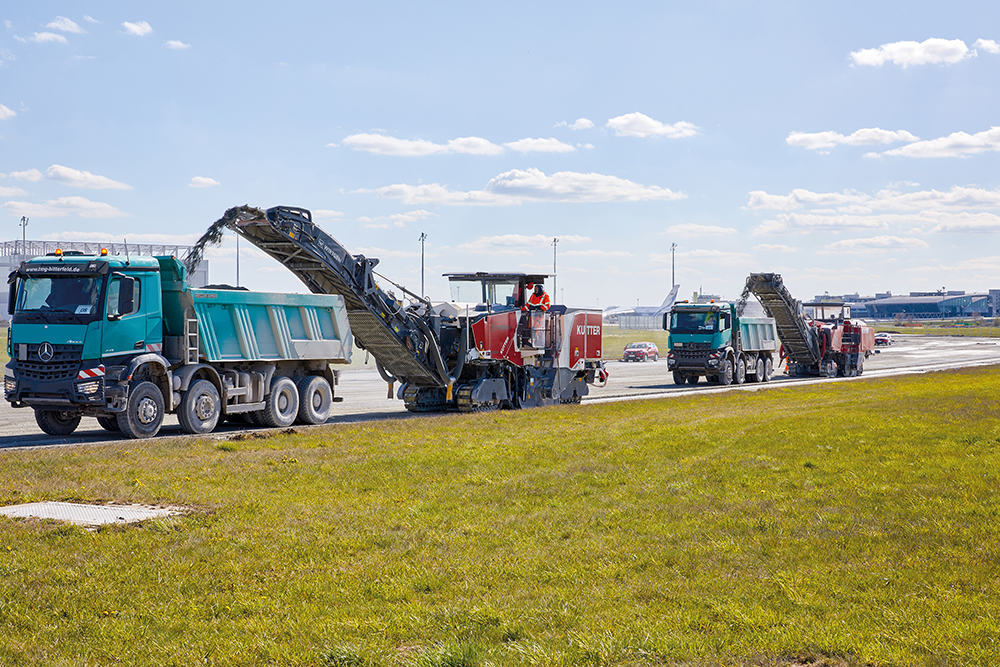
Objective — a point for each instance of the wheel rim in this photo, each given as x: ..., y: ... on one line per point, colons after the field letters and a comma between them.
x: 204, y: 407
x: 146, y: 411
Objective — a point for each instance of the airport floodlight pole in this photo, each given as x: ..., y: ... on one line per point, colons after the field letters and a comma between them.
x: 555, y: 242
x: 423, y: 237
x: 24, y: 236
x: 673, y: 265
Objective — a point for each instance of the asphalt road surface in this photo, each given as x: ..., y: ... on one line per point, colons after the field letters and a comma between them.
x: 364, y: 393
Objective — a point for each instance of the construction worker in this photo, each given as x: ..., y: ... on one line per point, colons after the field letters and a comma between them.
x: 539, y: 299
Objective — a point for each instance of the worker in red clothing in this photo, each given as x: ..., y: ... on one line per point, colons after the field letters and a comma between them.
x: 539, y: 299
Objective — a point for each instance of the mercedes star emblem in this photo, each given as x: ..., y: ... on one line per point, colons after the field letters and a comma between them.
x: 45, y: 352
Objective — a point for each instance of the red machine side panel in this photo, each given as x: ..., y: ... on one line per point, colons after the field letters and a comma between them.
x: 497, y: 334
x: 585, y: 337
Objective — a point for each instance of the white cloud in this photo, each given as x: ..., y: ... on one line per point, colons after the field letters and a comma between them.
x: 383, y: 252
x: 578, y: 124
x: 705, y: 256
x: 83, y: 179
x: 10, y: 192
x: 640, y: 125
x: 90, y: 20
x: 929, y: 51
x: 515, y: 244
x: 595, y: 252
x: 139, y: 29
x: 987, y: 45
x: 203, y: 182
x: 960, y: 209
x: 382, y: 145
x: 874, y: 245
x: 517, y: 186
x: 30, y: 175
x: 326, y: 214
x: 176, y: 45
x: 474, y: 146
x: 956, y: 144
x: 687, y: 231
x: 774, y: 247
x: 539, y: 146
x: 44, y: 37
x: 863, y: 137
x: 58, y: 208
x: 66, y: 25
x: 6, y: 113
x: 397, y: 220
x: 6, y: 55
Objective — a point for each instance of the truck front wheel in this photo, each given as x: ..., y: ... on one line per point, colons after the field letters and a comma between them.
x: 679, y: 378
x: 200, y: 408
x: 726, y: 372
x: 315, y: 399
x: 281, y: 406
x: 143, y: 416
x: 57, y: 422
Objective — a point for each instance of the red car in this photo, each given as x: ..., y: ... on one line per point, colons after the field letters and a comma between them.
x: 640, y: 352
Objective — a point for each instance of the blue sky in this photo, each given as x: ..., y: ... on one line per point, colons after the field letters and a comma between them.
x: 852, y: 147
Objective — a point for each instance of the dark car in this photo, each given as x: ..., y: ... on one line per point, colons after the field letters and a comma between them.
x: 640, y: 352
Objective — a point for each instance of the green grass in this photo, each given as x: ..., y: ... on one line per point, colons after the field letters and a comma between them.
x: 841, y: 524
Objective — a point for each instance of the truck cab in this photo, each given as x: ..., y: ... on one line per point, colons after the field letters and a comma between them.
x: 713, y: 340
x: 74, y: 318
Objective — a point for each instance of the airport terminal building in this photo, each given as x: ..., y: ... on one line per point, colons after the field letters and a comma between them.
x: 927, y: 305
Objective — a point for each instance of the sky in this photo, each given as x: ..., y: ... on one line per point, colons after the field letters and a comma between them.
x: 850, y: 147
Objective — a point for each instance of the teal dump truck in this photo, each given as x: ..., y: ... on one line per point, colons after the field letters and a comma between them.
x: 126, y: 340
x: 715, y: 341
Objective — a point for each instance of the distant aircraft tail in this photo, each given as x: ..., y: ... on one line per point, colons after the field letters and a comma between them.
x: 668, y: 303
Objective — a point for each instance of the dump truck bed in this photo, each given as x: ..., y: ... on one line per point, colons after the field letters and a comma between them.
x: 758, y: 334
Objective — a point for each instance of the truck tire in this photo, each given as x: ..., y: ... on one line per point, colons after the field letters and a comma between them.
x: 315, y: 399
x: 759, y: 375
x: 200, y: 408
x: 109, y: 424
x: 678, y: 378
x: 57, y: 422
x: 281, y: 406
x: 768, y: 370
x: 726, y: 372
x: 741, y: 371
x: 143, y: 416
x: 692, y: 379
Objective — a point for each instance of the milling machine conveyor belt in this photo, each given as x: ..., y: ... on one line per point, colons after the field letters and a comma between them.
x: 378, y: 322
x: 794, y: 331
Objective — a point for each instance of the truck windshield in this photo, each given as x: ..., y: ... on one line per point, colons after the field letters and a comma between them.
x: 697, y: 322
x: 467, y: 291
x: 497, y: 292
x: 60, y: 297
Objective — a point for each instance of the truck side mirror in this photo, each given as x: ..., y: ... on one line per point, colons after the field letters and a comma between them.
x: 11, y: 295
x: 126, y: 296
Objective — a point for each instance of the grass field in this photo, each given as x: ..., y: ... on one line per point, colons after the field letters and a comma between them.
x: 841, y: 524
x: 934, y: 328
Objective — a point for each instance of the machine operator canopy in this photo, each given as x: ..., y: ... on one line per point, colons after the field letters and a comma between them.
x: 498, y: 290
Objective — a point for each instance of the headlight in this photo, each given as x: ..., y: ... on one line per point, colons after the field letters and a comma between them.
x: 89, y: 388
x: 9, y: 385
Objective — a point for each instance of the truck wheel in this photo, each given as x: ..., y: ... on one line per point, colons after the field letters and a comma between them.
x: 726, y: 372
x: 109, y: 424
x: 57, y: 422
x: 678, y: 378
x: 741, y: 371
x: 143, y: 416
x: 315, y: 399
x: 768, y: 370
x: 200, y: 408
x: 759, y: 375
x: 281, y: 406
x: 692, y: 379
